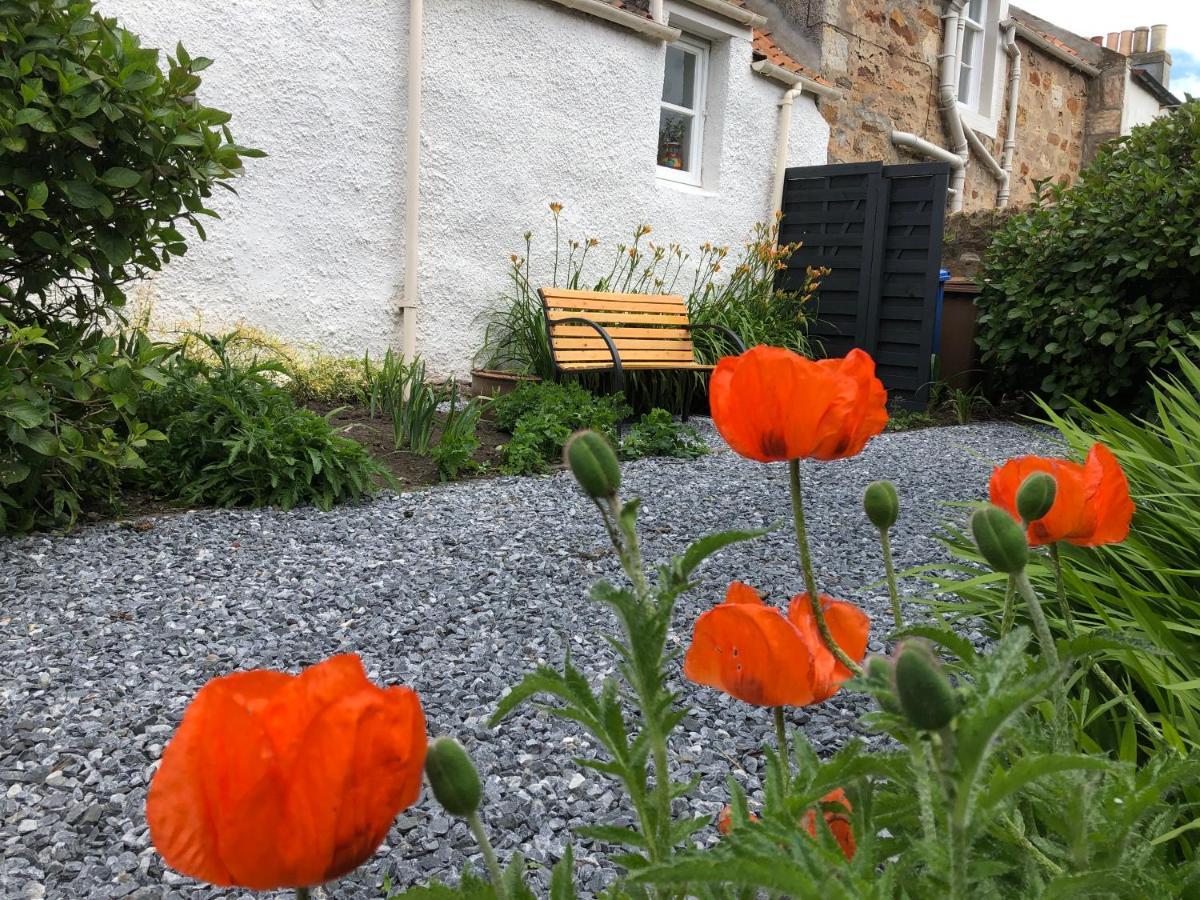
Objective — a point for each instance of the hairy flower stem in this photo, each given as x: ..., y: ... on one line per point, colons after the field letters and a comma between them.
x: 810, y: 580
x: 1132, y: 705
x: 1040, y: 626
x: 885, y: 542
x: 923, y: 768
x: 1010, y: 607
x: 781, y: 736
x: 489, y: 855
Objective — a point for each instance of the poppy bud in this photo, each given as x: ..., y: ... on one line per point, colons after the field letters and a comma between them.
x: 1000, y: 539
x: 1036, y: 496
x: 926, y: 696
x: 453, y: 777
x: 881, y: 672
x: 882, y: 504
x: 593, y: 463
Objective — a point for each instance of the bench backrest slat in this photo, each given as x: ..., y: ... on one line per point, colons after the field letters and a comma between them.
x: 646, y: 328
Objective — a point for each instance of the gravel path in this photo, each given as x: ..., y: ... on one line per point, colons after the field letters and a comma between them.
x: 455, y: 591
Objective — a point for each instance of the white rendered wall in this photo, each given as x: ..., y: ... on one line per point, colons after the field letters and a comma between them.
x: 312, y: 247
x: 526, y: 103
x: 1140, y: 106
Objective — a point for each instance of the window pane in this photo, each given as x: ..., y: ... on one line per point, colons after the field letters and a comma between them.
x: 675, y: 140
x: 679, y: 84
x: 964, y: 84
x: 975, y: 11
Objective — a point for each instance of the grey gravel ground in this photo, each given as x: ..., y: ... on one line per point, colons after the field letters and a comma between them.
x: 455, y: 591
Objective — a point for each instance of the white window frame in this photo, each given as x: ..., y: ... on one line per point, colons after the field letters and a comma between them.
x: 975, y: 33
x: 694, y: 175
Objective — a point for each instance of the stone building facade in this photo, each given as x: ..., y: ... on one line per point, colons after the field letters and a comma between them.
x: 884, y: 56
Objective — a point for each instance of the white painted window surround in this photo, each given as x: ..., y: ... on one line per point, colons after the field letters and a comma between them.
x: 982, y: 65
x: 684, y: 111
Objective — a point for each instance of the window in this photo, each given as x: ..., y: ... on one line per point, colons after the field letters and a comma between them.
x: 681, y: 119
x: 971, y: 59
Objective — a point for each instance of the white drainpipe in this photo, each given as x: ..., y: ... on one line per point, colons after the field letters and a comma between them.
x: 412, y: 178
x: 782, y: 144
x: 1014, y: 94
x: 989, y: 162
x: 953, y: 27
x: 656, y: 12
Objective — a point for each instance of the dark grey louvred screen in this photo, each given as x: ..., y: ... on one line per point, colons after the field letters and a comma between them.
x: 879, y: 229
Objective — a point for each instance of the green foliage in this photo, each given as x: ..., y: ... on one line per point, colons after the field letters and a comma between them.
x: 981, y: 808
x: 1092, y: 288
x: 399, y: 390
x: 103, y: 156
x: 327, y: 379
x: 236, y: 439
x: 455, y: 450
x: 542, y: 415
x: 1147, y: 588
x: 658, y: 434
x: 69, y: 419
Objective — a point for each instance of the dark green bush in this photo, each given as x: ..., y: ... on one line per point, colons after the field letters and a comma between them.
x: 1087, y: 292
x: 542, y: 415
x: 103, y: 155
x: 69, y: 421
x: 233, y: 438
x: 658, y: 434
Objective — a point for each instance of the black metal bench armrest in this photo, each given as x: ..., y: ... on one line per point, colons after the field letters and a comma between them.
x: 733, y: 336
x: 618, y: 373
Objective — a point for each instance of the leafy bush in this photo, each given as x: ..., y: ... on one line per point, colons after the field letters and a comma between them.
x: 234, y: 438
x: 1147, y: 588
x: 542, y: 415
x: 103, y: 156
x: 69, y: 419
x: 1095, y: 286
x: 400, y: 391
x: 658, y: 434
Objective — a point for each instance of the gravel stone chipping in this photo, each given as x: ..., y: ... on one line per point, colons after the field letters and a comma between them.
x: 456, y: 591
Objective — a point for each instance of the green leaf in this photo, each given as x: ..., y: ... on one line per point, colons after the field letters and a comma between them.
x: 24, y: 414
x: 82, y: 195
x: 114, y: 245
x: 1008, y: 782
x: 562, y: 877
x: 84, y: 135
x: 35, y: 197
x: 120, y: 177
x: 707, y: 546
x: 613, y: 834
x: 36, y: 118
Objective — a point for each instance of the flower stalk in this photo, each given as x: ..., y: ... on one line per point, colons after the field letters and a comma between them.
x: 810, y: 579
x: 782, y: 738
x: 489, y: 855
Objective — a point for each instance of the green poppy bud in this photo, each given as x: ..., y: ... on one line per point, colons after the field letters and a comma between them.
x: 593, y: 463
x: 880, y: 672
x: 1000, y: 539
x: 453, y: 777
x: 1036, y: 496
x: 925, y: 694
x: 882, y: 504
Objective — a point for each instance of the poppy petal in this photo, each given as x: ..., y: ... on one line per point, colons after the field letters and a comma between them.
x: 850, y: 628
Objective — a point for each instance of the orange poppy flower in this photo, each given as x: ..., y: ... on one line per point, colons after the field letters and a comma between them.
x: 725, y: 819
x: 849, y: 626
x: 1091, y: 506
x: 772, y: 405
x: 281, y: 781
x: 749, y: 650
x: 837, y: 820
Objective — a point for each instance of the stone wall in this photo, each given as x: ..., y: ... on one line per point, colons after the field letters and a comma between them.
x: 883, y: 55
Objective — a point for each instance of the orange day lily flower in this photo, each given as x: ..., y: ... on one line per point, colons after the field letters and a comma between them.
x: 772, y: 405
x: 281, y: 781
x: 1091, y: 505
x: 749, y: 650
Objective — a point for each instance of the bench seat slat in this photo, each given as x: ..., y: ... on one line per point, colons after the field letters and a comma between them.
x: 666, y: 356
x: 601, y: 307
x: 618, y: 332
x: 623, y: 344
x: 583, y: 366
x: 556, y: 296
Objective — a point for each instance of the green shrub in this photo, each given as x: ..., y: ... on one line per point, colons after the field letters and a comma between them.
x: 319, y: 378
x: 234, y: 438
x: 1146, y: 588
x: 69, y: 419
x: 658, y: 434
x: 1095, y: 286
x: 542, y: 415
x: 103, y: 156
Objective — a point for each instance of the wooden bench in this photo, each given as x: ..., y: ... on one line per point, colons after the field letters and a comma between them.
x: 595, y: 331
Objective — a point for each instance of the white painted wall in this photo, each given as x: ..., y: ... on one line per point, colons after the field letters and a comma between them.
x: 526, y: 103
x: 1140, y: 106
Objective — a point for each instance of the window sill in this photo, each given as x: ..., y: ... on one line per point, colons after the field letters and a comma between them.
x: 977, y: 122
x: 683, y: 187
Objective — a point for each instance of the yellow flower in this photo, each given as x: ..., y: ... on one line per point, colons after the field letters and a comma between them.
x: 556, y: 208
